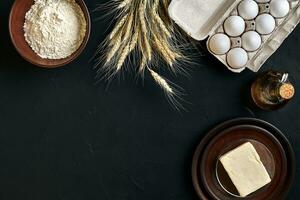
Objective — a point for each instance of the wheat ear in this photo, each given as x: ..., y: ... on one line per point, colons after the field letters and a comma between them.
x: 114, y: 49
x: 174, y: 55
x: 118, y: 26
x: 124, y: 3
x: 141, y: 45
x: 143, y: 64
x: 161, y: 82
x: 123, y: 56
x: 128, y: 28
x: 127, y: 50
x: 163, y: 52
x: 119, y: 40
x: 134, y: 41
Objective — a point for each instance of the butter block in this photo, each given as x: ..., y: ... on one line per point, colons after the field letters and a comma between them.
x: 245, y: 169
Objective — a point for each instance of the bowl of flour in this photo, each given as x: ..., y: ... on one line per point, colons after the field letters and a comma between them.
x: 49, y: 33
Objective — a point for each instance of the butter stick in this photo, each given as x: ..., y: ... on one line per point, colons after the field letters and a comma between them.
x: 245, y: 169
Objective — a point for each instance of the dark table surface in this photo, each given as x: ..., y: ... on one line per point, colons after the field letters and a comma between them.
x: 64, y: 137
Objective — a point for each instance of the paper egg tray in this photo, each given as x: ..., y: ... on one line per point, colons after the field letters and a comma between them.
x: 201, y: 19
x: 269, y: 42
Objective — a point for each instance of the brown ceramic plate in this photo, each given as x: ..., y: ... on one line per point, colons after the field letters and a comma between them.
x: 273, y: 147
x: 229, y: 139
x: 16, y: 22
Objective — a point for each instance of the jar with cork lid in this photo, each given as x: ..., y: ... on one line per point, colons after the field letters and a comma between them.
x: 272, y: 90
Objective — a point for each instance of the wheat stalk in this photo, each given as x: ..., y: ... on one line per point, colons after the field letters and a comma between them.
x: 142, y: 10
x: 143, y: 25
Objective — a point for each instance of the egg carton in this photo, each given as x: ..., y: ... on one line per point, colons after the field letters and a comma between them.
x: 202, y: 19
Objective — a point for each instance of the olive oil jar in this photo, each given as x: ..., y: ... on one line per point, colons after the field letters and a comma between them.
x: 272, y: 90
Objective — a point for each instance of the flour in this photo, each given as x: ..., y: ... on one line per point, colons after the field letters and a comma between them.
x: 54, y: 29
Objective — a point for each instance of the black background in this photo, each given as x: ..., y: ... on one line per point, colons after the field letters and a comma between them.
x: 63, y: 137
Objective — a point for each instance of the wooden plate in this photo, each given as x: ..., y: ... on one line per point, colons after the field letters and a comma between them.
x: 16, y: 23
x: 265, y: 137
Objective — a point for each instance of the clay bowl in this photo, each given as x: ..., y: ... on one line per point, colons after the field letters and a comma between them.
x: 16, y: 22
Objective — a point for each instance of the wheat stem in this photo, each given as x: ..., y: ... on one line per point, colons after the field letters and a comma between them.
x: 158, y: 20
x: 142, y: 9
x: 166, y: 3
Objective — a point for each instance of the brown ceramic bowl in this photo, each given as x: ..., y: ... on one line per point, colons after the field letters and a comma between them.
x: 16, y: 22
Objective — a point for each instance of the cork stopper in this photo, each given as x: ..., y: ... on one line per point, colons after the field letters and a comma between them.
x: 286, y: 91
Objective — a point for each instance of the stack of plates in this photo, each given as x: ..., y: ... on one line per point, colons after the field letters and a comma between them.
x: 273, y: 147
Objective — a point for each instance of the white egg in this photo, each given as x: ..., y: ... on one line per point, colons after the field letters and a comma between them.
x: 248, y: 9
x: 251, y: 41
x: 219, y: 43
x: 265, y: 24
x: 279, y: 8
x: 237, y: 58
x: 234, y: 26
x: 262, y: 1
